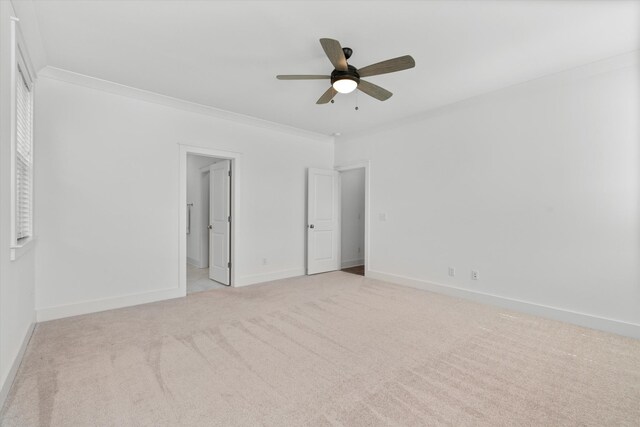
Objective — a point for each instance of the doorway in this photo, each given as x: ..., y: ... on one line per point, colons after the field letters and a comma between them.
x: 352, y: 218
x: 337, y: 235
x: 207, y: 220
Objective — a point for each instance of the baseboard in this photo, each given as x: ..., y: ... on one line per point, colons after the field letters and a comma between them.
x: 268, y: 277
x: 194, y: 262
x: 94, y: 306
x: 581, y: 319
x: 8, y: 382
x: 352, y: 263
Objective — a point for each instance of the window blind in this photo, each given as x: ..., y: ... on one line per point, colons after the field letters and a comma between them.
x: 24, y: 157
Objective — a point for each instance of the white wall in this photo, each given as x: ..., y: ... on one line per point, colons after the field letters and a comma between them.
x: 17, y: 277
x: 194, y: 195
x: 536, y: 187
x: 108, y: 194
x: 352, y: 205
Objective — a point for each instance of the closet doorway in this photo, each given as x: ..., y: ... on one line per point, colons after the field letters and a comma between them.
x: 207, y: 244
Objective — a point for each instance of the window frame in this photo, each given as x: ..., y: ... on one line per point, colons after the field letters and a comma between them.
x: 20, y: 59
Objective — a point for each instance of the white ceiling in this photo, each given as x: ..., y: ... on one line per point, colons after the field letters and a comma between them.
x: 226, y: 54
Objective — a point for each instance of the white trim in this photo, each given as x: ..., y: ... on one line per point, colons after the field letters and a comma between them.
x: 13, y: 73
x: 366, y: 164
x: 236, y: 174
x: 156, y: 98
x: 103, y: 304
x: 19, y: 44
x: 624, y: 60
x: 352, y: 263
x: 16, y: 251
x: 555, y: 313
x: 206, y: 169
x: 268, y: 277
x: 26, y: 10
x: 18, y: 56
x: 11, y: 375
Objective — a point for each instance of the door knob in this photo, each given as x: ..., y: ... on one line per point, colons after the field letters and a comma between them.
x: 210, y: 227
x: 311, y: 226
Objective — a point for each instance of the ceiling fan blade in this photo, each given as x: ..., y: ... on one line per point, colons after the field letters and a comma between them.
x: 335, y: 54
x: 389, y: 66
x: 327, y: 96
x: 301, y: 77
x: 374, y: 90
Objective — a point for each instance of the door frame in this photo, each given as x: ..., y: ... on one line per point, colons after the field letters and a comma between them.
x: 236, y: 174
x: 366, y: 165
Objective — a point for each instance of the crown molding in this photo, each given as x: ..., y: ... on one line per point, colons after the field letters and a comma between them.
x: 624, y: 60
x: 168, y: 101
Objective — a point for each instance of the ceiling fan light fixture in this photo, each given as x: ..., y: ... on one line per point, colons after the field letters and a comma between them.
x: 345, y: 78
x: 345, y: 85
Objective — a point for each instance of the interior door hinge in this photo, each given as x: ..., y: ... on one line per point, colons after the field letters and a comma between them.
x: 229, y: 264
x: 229, y: 173
x: 229, y: 218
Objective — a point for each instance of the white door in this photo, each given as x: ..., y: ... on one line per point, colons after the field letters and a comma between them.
x: 219, y: 221
x: 204, y: 212
x: 323, y: 220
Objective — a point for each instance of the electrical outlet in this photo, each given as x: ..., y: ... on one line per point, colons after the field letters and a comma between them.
x: 359, y: 250
x: 475, y: 275
x: 383, y: 216
x: 452, y: 271
x: 264, y: 261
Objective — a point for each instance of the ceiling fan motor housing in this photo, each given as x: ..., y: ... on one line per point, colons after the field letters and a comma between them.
x: 351, y: 74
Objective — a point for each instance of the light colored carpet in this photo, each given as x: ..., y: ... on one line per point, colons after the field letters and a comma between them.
x: 331, y: 349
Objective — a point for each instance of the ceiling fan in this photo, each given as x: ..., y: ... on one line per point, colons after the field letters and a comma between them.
x: 346, y: 78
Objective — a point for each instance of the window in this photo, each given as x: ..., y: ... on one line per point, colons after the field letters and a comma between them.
x: 24, y: 157
x: 21, y: 145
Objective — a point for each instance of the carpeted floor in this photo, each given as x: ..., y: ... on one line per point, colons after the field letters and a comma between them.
x: 329, y: 349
